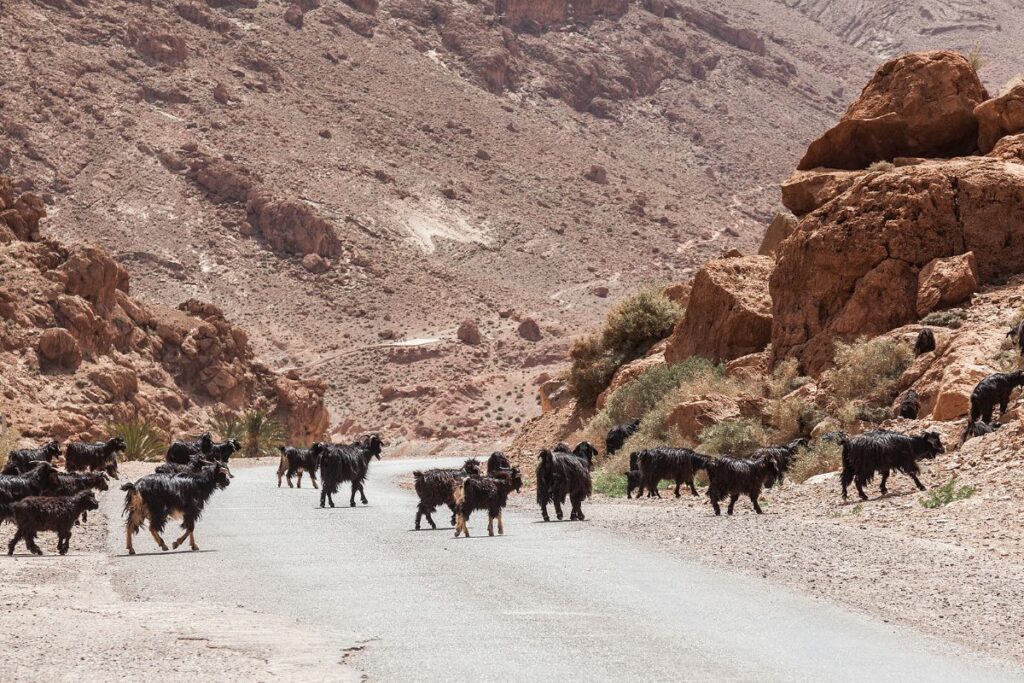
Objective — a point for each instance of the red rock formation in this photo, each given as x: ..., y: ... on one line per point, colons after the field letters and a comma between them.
x: 946, y: 282
x: 1000, y: 116
x: 729, y: 313
x: 781, y: 227
x: 541, y: 14
x: 805, y: 191
x: 852, y: 267
x: 920, y: 104
x: 1010, y: 148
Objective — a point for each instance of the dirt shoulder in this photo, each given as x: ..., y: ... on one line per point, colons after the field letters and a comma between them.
x: 67, y: 618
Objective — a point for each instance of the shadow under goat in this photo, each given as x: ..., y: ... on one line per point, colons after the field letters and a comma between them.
x: 24, y: 459
x: 157, y: 497
x: 439, y: 486
x: 561, y: 474
x: 735, y: 477
x: 94, y: 457
x: 992, y: 391
x: 347, y: 463
x: 295, y: 461
x: 675, y: 464
x: 882, y: 451
x: 46, y: 513
x: 486, y: 493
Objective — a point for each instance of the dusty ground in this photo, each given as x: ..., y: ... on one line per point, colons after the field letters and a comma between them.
x: 49, y: 602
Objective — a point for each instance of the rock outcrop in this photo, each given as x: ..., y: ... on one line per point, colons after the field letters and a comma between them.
x: 921, y: 104
x: 1010, y: 148
x: 729, y: 313
x: 945, y: 282
x: 536, y: 15
x: 79, y: 352
x: 805, y: 191
x: 852, y: 267
x: 781, y: 227
x: 1001, y: 116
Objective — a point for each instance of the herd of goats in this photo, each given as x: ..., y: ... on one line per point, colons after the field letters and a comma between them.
x: 36, y: 496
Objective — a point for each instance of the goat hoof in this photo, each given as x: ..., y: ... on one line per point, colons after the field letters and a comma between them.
x: 195, y: 547
x: 351, y: 505
x: 490, y: 533
x: 175, y: 545
x: 131, y: 551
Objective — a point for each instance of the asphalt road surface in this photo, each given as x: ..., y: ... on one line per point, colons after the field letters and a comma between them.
x: 554, y: 601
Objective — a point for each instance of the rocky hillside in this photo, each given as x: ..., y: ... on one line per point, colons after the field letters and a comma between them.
x: 79, y: 352
x: 354, y: 181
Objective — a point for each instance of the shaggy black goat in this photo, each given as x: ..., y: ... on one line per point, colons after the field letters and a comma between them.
x: 884, y: 451
x: 497, y: 461
x: 561, y: 474
x: 584, y: 450
x: 486, y: 493
x: 925, y: 341
x: 193, y: 466
x: 782, y: 456
x: 221, y: 452
x: 46, y: 513
x: 910, y: 405
x: 992, y: 391
x: 735, y: 477
x: 973, y: 429
x: 295, y: 461
x: 24, y: 459
x: 634, y: 480
x: 39, y: 480
x: 347, y: 463
x: 75, y: 482
x: 94, y: 457
x: 156, y: 497
x: 182, y: 451
x: 677, y: 464
x: 617, y: 436
x: 438, y: 487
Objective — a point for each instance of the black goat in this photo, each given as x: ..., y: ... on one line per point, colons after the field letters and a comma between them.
x: 925, y: 341
x: 221, y: 452
x: 677, y: 464
x: 75, y: 482
x: 46, y: 513
x: 347, y: 463
x: 635, y: 480
x: 24, y: 459
x: 438, y: 486
x: 561, y: 474
x: 1017, y: 332
x: 884, y: 451
x: 182, y: 451
x: 584, y: 450
x: 295, y: 461
x: 194, y: 465
x: 486, y: 493
x: 40, y: 480
x: 617, y: 436
x: 973, y: 429
x: 735, y: 477
x: 94, y: 457
x: 992, y: 391
x: 834, y: 437
x: 782, y: 456
x: 497, y: 461
x: 156, y: 497
x: 910, y: 405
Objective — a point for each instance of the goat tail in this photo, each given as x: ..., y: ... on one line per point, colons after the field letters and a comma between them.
x: 129, y: 496
x: 417, y: 474
x: 846, y: 478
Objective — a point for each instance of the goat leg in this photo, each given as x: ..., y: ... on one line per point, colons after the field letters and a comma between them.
x: 192, y: 540
x: 312, y: 478
x: 300, y: 480
x: 693, y: 489
x: 156, y: 537
x: 30, y: 543
x: 180, y: 539
x: 732, y: 501
x: 14, y: 542
x: 885, y: 478
x: 753, y: 500
x: 920, y: 486
x: 501, y: 526
x: 544, y: 512
x: 490, y: 525
x: 859, y: 483
x: 558, y: 508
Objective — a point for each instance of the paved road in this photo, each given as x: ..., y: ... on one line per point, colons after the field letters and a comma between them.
x: 547, y: 602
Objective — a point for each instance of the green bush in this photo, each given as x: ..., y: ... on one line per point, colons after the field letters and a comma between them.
x: 946, y: 494
x: 228, y: 426
x: 639, y: 322
x: 640, y: 396
x: 733, y: 437
x: 591, y: 371
x: 869, y: 370
x: 952, y: 318
x: 262, y: 434
x: 143, y: 440
x: 610, y: 483
x: 820, y: 457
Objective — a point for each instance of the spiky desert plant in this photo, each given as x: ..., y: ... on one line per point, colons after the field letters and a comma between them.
x: 143, y: 440
x: 263, y: 434
x: 228, y: 426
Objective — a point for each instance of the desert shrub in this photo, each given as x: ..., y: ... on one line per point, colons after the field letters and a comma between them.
x: 639, y: 397
x: 881, y: 166
x: 820, y: 457
x: 975, y: 59
x: 610, y: 483
x: 733, y: 437
x: 591, y: 371
x: 785, y: 378
x: 868, y: 370
x: 143, y: 440
x: 228, y: 426
x: 263, y: 434
x: 791, y: 418
x: 946, y: 494
x: 637, y: 323
x: 1005, y: 361
x: 952, y: 318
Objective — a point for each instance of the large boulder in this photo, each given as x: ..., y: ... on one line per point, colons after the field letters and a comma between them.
x: 57, y: 348
x: 921, y: 104
x: 781, y: 227
x: 1001, y: 116
x: 852, y: 267
x: 805, y: 191
x: 945, y: 282
x: 729, y: 314
x: 1010, y: 148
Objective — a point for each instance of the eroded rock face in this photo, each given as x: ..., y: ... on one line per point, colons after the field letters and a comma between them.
x: 1001, y: 116
x: 920, y: 104
x: 851, y: 268
x: 19, y: 216
x: 805, y: 191
x: 529, y: 330
x: 781, y: 227
x: 57, y: 347
x: 945, y: 282
x: 1010, y: 148
x: 729, y: 313
x: 539, y: 14
x: 469, y: 332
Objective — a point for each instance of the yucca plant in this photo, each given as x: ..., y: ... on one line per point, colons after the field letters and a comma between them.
x: 262, y: 434
x: 143, y: 440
